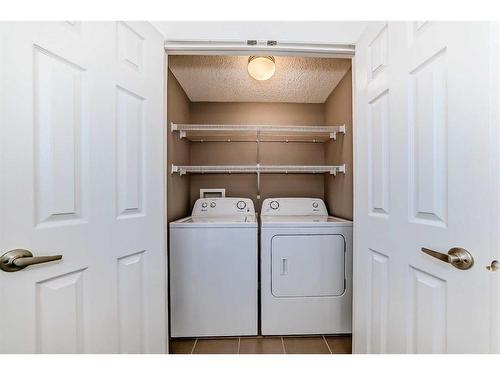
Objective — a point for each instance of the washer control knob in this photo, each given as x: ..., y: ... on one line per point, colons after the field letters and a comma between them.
x: 274, y: 205
x: 213, y: 204
x: 241, y: 205
x: 204, y: 205
x: 315, y: 204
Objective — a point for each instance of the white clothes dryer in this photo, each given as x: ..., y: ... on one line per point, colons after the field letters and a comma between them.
x: 306, y: 268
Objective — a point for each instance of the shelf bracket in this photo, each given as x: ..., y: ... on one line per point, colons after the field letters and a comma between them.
x: 341, y: 129
x: 338, y: 169
x: 176, y: 169
x: 174, y: 127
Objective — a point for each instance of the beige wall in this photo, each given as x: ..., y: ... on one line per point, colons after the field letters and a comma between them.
x: 246, y: 153
x: 178, y: 204
x: 257, y: 113
x: 339, y: 189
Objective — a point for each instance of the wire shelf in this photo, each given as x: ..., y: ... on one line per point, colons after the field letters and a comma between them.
x: 258, y: 168
x: 262, y: 133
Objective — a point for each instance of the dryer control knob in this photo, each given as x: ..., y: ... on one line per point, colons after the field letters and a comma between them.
x: 204, y: 205
x: 315, y: 205
x: 274, y: 205
x: 213, y: 204
x: 241, y: 205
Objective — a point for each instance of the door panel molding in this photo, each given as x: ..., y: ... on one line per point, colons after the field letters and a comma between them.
x: 379, y: 293
x: 59, y: 116
x: 427, y: 313
x: 60, y: 323
x: 427, y: 121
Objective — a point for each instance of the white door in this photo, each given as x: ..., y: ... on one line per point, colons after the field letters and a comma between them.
x: 424, y: 178
x: 81, y: 166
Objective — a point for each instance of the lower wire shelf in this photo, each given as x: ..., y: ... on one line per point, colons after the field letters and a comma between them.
x: 258, y: 168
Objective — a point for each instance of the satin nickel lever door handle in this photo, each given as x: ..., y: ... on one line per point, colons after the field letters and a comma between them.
x: 457, y: 257
x: 18, y: 259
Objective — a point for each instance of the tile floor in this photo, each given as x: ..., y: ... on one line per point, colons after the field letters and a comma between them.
x: 263, y: 345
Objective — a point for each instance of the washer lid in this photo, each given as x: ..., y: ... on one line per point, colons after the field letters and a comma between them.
x: 233, y: 221
x: 221, y: 219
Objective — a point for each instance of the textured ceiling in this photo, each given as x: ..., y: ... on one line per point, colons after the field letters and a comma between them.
x: 226, y: 79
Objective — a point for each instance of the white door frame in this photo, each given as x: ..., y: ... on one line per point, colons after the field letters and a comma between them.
x: 234, y: 48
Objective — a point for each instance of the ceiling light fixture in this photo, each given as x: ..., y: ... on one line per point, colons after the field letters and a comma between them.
x: 261, y: 68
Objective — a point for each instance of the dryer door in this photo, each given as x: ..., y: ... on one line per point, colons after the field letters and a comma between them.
x: 310, y: 265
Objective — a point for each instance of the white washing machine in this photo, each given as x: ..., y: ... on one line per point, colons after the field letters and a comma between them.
x: 213, y: 270
x: 306, y: 268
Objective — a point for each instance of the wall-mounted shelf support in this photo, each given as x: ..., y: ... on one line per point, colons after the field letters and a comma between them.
x: 174, y: 127
x: 262, y: 133
x: 341, y: 129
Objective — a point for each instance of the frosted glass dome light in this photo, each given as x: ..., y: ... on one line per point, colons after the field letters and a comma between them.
x: 261, y: 68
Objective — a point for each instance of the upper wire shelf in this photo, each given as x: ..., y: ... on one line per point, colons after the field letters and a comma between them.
x: 260, y: 133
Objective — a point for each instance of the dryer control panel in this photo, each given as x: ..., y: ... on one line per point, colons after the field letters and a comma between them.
x: 223, y: 207
x: 294, y: 206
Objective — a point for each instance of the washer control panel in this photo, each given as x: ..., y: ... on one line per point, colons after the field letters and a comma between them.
x: 223, y: 206
x: 294, y: 206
